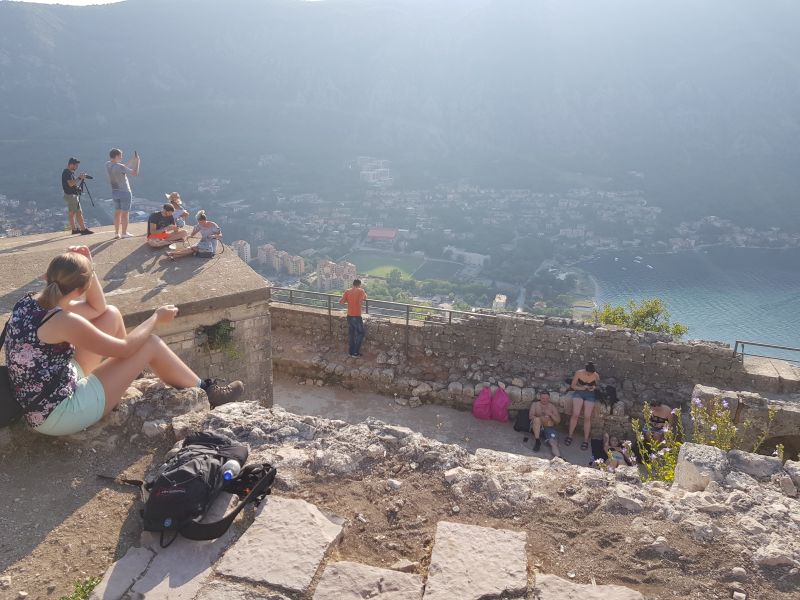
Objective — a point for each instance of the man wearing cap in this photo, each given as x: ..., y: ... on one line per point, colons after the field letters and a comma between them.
x: 72, y: 196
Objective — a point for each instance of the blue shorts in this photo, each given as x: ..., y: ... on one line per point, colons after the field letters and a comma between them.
x: 549, y: 433
x: 84, y: 407
x: 585, y: 395
x: 122, y: 200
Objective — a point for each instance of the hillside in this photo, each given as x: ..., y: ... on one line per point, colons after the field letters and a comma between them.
x: 696, y: 102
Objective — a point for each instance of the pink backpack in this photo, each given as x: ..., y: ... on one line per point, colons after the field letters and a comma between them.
x: 482, y: 406
x: 500, y: 404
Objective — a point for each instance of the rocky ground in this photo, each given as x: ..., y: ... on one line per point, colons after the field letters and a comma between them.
x: 733, y: 526
x: 394, y: 485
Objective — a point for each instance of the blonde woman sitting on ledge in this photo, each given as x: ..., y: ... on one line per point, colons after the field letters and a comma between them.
x: 70, y: 360
x: 207, y: 246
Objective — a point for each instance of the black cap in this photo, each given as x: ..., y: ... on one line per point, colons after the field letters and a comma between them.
x: 73, y: 161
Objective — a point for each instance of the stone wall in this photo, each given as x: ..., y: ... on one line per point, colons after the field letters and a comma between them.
x: 524, y: 345
x: 249, y: 356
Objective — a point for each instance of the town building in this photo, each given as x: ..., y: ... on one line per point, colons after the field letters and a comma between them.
x: 382, y: 237
x: 242, y: 248
x: 335, y: 276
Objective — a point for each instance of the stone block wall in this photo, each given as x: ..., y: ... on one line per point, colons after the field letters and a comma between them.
x: 534, y: 349
x: 249, y: 357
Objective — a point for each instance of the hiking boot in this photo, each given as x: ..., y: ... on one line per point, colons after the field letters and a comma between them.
x: 537, y: 443
x: 222, y: 394
x: 86, y: 232
x: 76, y: 231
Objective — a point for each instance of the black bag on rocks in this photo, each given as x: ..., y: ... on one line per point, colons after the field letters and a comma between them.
x: 182, y: 490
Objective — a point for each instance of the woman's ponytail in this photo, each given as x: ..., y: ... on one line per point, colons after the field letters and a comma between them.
x: 50, y: 296
x: 201, y: 215
x: 66, y: 273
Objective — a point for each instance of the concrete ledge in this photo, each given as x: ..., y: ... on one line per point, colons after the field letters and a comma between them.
x: 138, y: 279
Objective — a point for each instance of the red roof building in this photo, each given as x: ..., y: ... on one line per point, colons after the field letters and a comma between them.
x: 382, y: 234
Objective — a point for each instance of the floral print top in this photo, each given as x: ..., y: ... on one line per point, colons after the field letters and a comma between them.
x: 32, y: 364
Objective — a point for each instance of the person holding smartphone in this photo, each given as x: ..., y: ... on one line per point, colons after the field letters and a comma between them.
x: 121, y: 193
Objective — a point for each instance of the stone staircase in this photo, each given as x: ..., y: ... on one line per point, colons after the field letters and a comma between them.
x: 283, y: 555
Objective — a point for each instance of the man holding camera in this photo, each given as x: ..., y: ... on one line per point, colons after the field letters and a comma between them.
x: 72, y: 196
x: 121, y: 194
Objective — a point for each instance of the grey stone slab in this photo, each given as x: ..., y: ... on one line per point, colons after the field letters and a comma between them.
x: 550, y: 587
x: 471, y: 563
x: 122, y: 574
x: 228, y: 590
x: 284, y: 546
x: 178, y: 571
x: 354, y: 581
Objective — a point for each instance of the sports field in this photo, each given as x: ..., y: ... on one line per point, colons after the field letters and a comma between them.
x: 437, y: 269
x: 379, y: 264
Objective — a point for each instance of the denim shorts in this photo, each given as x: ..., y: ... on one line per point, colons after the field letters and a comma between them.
x: 122, y: 200
x: 549, y: 433
x: 84, y: 407
x: 585, y: 395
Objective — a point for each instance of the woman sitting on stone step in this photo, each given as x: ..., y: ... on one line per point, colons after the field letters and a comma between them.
x: 70, y: 360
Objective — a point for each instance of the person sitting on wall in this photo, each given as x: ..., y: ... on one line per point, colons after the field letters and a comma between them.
x: 161, y: 228
x: 70, y: 360
x: 659, y: 422
x: 181, y: 212
x: 544, y: 417
x: 209, y: 233
x: 583, y: 386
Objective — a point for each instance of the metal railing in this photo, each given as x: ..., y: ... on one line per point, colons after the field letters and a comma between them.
x: 379, y: 308
x: 739, y: 351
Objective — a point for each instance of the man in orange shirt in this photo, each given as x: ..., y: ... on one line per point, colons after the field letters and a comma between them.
x: 355, y: 325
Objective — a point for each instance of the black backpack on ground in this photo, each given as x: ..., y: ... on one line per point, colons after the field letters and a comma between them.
x: 182, y: 490
x: 522, y: 422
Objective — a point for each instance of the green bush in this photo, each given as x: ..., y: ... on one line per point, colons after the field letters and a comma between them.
x: 659, y: 458
x: 82, y: 589
x: 713, y: 423
x: 220, y: 337
x: 650, y: 314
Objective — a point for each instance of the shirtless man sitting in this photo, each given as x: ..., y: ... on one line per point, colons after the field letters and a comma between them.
x: 544, y: 417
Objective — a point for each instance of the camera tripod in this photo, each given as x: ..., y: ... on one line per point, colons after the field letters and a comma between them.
x: 84, y: 187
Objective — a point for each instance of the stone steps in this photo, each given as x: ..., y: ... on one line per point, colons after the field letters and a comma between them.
x: 282, y: 556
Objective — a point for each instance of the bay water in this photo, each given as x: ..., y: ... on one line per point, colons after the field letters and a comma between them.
x: 722, y: 294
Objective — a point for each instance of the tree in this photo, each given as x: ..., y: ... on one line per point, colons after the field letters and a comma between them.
x: 650, y: 314
x: 394, y: 277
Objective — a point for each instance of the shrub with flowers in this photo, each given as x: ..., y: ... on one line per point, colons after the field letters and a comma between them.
x: 713, y: 423
x: 659, y: 457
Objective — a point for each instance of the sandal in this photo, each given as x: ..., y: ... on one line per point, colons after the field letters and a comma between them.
x: 584, y: 445
x: 568, y: 441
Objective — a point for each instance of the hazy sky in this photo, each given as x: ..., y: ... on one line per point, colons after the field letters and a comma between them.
x: 72, y: 2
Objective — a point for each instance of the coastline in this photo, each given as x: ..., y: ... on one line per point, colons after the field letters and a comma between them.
x: 721, y: 293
